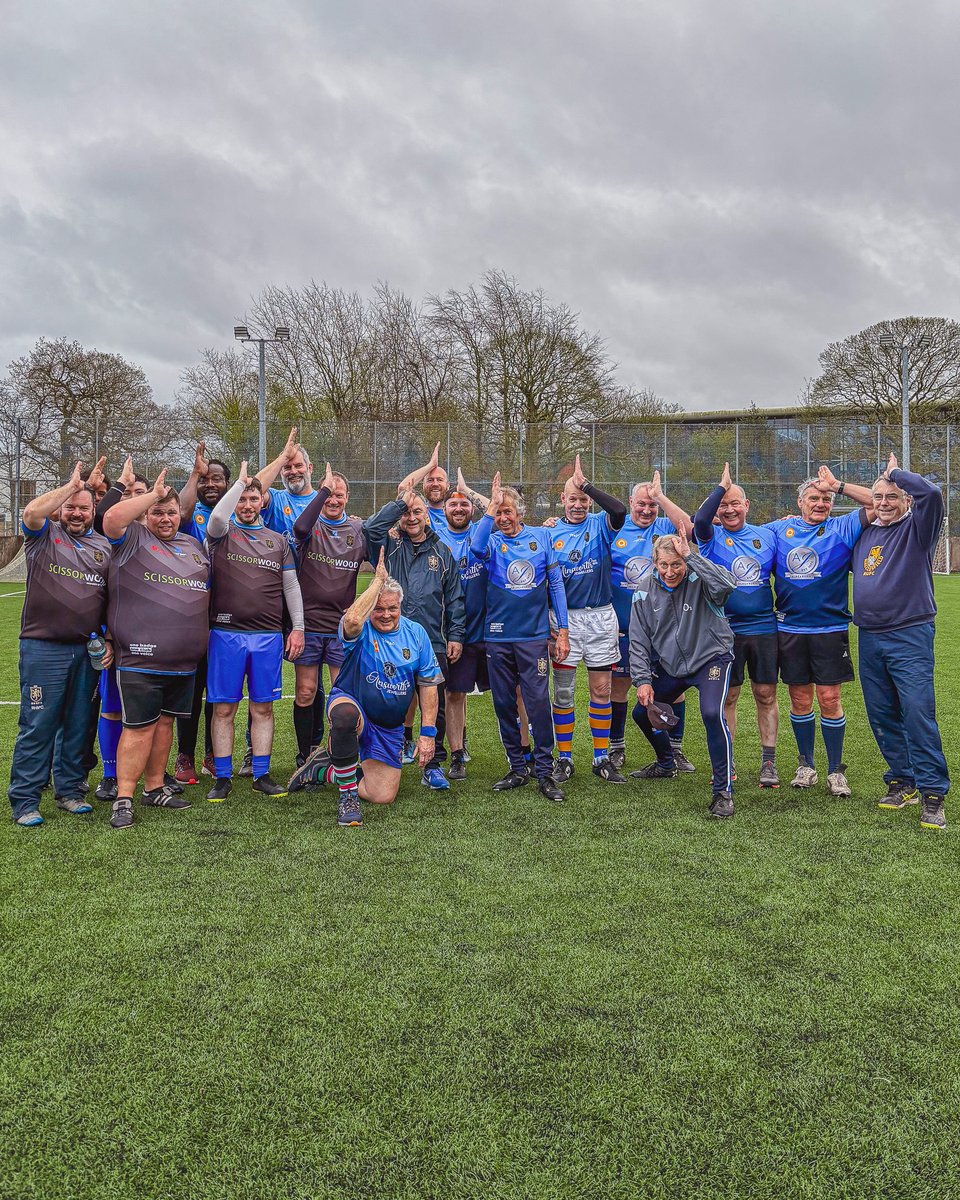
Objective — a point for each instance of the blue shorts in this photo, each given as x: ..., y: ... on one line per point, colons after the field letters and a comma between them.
x: 376, y: 742
x: 320, y: 648
x: 109, y: 692
x: 232, y: 655
x: 622, y: 668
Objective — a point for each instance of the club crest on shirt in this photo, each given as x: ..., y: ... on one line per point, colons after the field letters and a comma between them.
x: 757, y: 544
x: 821, y: 531
x: 575, y: 556
x: 198, y: 560
x: 389, y: 670
x: 98, y: 556
x: 350, y: 539
x: 533, y: 545
x: 268, y: 542
x: 541, y: 666
x: 406, y: 653
x: 433, y: 562
x: 873, y: 560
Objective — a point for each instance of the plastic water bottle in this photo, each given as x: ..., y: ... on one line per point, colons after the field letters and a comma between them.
x: 96, y: 648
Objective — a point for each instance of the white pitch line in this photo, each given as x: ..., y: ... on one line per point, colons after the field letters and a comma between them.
x: 6, y: 594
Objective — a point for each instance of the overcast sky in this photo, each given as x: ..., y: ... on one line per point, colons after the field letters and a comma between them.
x: 720, y: 189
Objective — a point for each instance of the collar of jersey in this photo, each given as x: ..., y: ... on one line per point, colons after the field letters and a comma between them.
x: 234, y: 521
x: 339, y: 521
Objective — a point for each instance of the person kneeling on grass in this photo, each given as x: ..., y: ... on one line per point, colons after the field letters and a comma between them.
x: 252, y: 574
x: 679, y: 638
x: 386, y: 657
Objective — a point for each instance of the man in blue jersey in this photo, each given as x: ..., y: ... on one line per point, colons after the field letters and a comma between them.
x: 631, y: 558
x: 814, y: 552
x: 522, y: 570
x: 283, y: 505
x: 386, y: 657
x: 469, y: 671
x: 581, y: 541
x: 749, y: 552
x: 894, y: 608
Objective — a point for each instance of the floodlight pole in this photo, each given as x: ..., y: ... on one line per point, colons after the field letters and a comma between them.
x: 280, y: 334
x: 905, y: 404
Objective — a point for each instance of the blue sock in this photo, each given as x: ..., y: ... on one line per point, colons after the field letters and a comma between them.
x: 804, y: 730
x: 833, y: 729
x: 223, y: 766
x: 108, y: 735
x: 618, y: 723
x: 261, y: 765
x: 679, y: 711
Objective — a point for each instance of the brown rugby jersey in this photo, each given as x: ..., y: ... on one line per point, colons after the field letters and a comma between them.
x: 246, y: 578
x: 159, y: 602
x: 330, y: 559
x: 66, y: 597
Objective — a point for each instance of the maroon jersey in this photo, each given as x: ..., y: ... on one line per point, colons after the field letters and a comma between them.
x: 330, y: 559
x: 246, y: 578
x: 66, y: 596
x: 159, y: 602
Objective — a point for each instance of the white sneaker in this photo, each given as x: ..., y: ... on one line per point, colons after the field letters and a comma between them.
x: 837, y: 782
x: 806, y: 777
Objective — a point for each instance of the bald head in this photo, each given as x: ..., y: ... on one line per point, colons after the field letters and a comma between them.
x: 732, y: 513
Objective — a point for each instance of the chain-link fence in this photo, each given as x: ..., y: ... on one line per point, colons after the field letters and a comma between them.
x: 767, y: 457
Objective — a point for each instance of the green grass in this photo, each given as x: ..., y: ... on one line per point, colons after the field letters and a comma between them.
x: 482, y: 995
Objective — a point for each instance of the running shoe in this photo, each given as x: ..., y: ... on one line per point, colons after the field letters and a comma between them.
x: 605, y: 770
x: 73, y: 804
x: 220, y: 791
x: 122, y: 815
x: 434, y: 778
x: 932, y: 815
x: 655, y: 770
x: 805, y: 777
x: 683, y: 763
x: 184, y: 771
x: 769, y: 778
x: 348, y: 809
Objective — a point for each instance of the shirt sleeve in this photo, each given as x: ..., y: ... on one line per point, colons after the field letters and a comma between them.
x: 428, y: 669
x: 703, y: 527
x: 850, y: 526
x: 480, y: 537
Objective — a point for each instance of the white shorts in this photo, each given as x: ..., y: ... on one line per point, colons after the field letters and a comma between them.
x: 594, y: 638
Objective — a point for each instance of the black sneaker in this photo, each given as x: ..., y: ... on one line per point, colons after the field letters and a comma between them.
x: 122, y: 815
x: 605, y: 770
x: 655, y: 770
x: 220, y: 790
x: 899, y: 795
x: 311, y: 771
x: 769, y: 777
x: 721, y: 805
x: 246, y: 769
x: 563, y: 770
x: 106, y: 789
x: 618, y: 757
x: 267, y: 786
x: 512, y: 779
x: 458, y: 766
x: 172, y: 783
x: 680, y: 759
x: 932, y: 815
x: 163, y: 797
x: 548, y: 787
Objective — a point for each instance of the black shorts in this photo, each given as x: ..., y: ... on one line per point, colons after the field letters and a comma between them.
x: 470, y: 670
x: 758, y: 652
x: 822, y: 658
x: 144, y: 695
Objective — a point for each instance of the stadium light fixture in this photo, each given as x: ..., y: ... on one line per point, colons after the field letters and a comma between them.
x: 281, y: 333
x: 916, y: 342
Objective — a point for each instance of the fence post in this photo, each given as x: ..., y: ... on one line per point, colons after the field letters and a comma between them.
x: 376, y: 439
x: 808, y: 452
x: 16, y: 486
x: 736, y: 455
x: 949, y: 427
x: 878, y: 452
x: 523, y: 430
x: 96, y: 439
x: 663, y: 468
x: 448, y: 450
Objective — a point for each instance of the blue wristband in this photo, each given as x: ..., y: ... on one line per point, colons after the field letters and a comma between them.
x: 428, y: 731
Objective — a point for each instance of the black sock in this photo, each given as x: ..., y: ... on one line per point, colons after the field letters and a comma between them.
x: 303, y: 727
x: 319, y: 705
x: 408, y: 733
x: 768, y: 753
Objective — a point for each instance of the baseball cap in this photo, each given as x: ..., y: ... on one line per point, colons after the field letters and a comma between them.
x: 661, y: 716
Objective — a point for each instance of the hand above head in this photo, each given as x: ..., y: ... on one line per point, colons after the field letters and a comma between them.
x: 127, y: 474
x: 243, y: 474
x: 496, y: 490
x: 200, y: 464
x: 160, y: 486
x: 462, y: 483
x: 892, y: 464
x: 75, y: 482
x: 328, y: 480
x: 380, y: 570
x: 682, y: 544
x: 826, y: 478
x: 725, y: 479
x: 655, y: 490
x: 578, y: 479
x: 96, y: 475
x: 290, y: 446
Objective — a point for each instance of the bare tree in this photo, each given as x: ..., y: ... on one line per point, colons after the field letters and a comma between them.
x: 862, y: 373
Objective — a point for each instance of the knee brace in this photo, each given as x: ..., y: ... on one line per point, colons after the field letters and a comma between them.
x: 564, y: 686
x: 344, y: 743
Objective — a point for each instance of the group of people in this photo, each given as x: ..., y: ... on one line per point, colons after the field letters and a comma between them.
x: 146, y: 609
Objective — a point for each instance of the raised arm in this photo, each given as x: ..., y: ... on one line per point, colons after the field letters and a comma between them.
x: 703, y: 517
x: 42, y: 508
x: 293, y: 599
x: 188, y: 496
x: 673, y: 511
x: 379, y: 525
x: 303, y: 525
x: 858, y: 494
x: 478, y: 499
x: 359, y: 611
x: 717, y: 581
x: 480, y: 538
x: 127, y: 511
x: 219, y: 520
x: 412, y: 481
x: 268, y: 474
x: 927, y: 499
x: 615, y: 509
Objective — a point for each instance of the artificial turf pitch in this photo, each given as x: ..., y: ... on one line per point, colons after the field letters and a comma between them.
x: 487, y: 995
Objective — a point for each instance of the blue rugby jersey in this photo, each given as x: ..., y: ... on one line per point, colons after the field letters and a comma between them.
x: 197, y: 525
x: 812, y: 572
x: 473, y: 579
x: 631, y: 559
x: 282, y: 508
x: 749, y: 555
x: 583, y: 551
x: 381, y: 670
x: 438, y: 520
x: 520, y: 572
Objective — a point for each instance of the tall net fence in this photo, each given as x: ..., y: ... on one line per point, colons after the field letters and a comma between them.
x: 767, y: 457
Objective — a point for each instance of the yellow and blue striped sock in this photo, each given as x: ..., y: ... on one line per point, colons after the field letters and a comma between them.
x: 600, y: 717
x: 563, y: 722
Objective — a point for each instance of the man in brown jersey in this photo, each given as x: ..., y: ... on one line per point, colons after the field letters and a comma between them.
x: 158, y: 616
x: 65, y: 604
x: 253, y: 573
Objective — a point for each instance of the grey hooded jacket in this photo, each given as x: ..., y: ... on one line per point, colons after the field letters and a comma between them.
x: 683, y: 628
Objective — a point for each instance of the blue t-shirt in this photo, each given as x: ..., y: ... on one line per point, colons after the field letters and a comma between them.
x: 631, y: 558
x: 812, y: 572
x: 197, y: 525
x: 517, y: 581
x: 438, y: 519
x: 473, y: 579
x: 749, y: 555
x: 282, y: 509
x: 381, y: 670
x: 583, y: 551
